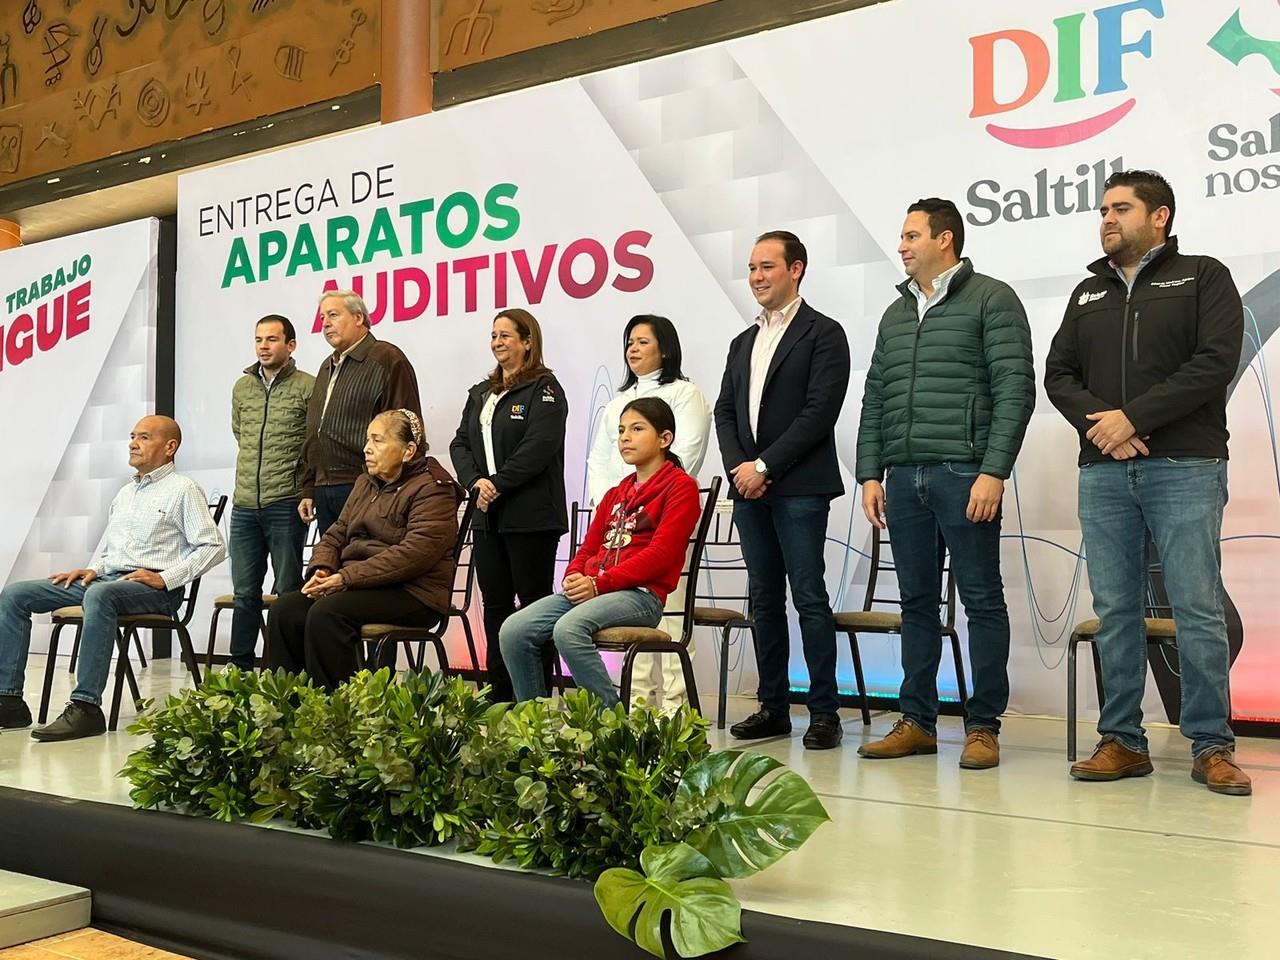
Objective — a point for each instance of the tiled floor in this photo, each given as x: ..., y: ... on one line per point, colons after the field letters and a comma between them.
x: 1020, y: 858
x: 87, y: 944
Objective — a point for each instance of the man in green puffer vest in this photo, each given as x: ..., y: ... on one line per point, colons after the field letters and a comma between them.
x: 269, y: 420
x: 948, y: 397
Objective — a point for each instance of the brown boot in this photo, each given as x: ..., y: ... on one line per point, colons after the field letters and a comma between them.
x: 1112, y: 760
x: 1217, y: 770
x: 903, y: 740
x: 981, y: 749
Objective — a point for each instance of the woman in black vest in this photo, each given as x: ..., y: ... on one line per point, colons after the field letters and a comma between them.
x: 509, y: 451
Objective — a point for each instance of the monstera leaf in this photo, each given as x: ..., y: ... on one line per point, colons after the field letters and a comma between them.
x: 677, y: 881
x: 741, y: 837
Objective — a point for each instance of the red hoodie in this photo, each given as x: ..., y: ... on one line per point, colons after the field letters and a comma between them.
x: 639, y: 534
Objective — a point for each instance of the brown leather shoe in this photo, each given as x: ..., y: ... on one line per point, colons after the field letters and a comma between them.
x: 903, y: 740
x: 1217, y: 770
x: 981, y: 749
x: 1112, y: 760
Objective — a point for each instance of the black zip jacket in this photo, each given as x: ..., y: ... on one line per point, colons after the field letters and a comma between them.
x: 528, y: 443
x: 1164, y: 354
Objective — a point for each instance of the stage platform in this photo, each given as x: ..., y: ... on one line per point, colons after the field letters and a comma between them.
x: 921, y: 859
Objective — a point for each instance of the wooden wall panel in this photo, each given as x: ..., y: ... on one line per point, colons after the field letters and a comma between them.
x: 468, y: 31
x: 81, y: 80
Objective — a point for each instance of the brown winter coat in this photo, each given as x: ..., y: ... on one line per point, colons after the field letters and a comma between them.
x: 397, y: 534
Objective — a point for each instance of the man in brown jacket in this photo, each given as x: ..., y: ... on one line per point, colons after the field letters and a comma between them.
x: 363, y: 377
x: 388, y: 558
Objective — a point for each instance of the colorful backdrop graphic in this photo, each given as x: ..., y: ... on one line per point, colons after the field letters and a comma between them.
x: 78, y: 323
x: 640, y: 189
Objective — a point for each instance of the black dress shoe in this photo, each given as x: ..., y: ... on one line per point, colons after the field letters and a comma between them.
x: 77, y: 720
x: 14, y: 714
x: 761, y: 724
x: 824, y: 732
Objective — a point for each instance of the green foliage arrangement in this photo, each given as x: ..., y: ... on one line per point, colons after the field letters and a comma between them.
x: 635, y: 801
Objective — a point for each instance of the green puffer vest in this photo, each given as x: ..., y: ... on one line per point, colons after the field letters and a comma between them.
x: 957, y: 386
x: 270, y: 427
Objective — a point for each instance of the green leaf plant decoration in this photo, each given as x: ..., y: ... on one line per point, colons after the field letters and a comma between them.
x: 633, y: 800
x: 679, y: 892
x: 738, y: 835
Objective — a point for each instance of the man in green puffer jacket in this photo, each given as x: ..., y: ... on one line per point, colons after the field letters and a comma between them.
x: 269, y: 420
x: 948, y: 397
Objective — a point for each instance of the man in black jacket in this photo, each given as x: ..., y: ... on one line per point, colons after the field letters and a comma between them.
x: 1140, y: 367
x: 784, y: 384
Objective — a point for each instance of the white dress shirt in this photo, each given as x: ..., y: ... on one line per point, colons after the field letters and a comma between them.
x: 940, y: 285
x: 773, y: 324
x: 605, y: 466
x: 486, y: 429
x: 161, y: 521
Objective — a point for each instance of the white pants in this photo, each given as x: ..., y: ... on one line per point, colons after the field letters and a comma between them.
x: 657, y: 679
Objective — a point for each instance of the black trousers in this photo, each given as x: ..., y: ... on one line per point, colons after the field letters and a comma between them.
x: 511, y: 566
x: 322, y: 636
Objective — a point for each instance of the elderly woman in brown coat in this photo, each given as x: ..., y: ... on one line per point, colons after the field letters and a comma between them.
x: 388, y: 558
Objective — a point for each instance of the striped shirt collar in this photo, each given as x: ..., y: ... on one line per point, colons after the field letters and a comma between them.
x: 156, y: 475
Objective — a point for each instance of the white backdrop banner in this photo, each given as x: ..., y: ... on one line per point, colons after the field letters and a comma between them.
x: 640, y: 189
x: 78, y: 321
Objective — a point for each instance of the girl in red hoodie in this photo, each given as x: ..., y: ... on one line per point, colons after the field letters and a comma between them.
x: 631, y: 558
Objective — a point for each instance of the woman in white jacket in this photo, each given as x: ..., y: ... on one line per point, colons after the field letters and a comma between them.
x: 651, y: 348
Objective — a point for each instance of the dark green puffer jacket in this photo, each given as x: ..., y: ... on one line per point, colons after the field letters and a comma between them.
x: 958, y: 386
x: 270, y: 427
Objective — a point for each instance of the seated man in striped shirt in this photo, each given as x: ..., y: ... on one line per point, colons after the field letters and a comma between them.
x: 160, y: 536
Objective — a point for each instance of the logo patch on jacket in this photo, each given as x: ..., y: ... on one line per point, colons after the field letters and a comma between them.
x: 548, y: 394
x: 518, y: 409
x: 623, y: 525
x: 1090, y: 297
x: 1162, y: 284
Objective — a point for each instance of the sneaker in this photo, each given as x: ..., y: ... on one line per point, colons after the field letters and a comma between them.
x: 1112, y: 760
x: 1218, y: 771
x: 904, y: 740
x: 761, y: 724
x: 14, y: 713
x: 981, y: 749
x: 78, y: 720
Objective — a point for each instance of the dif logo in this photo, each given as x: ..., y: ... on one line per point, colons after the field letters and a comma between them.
x: 990, y: 95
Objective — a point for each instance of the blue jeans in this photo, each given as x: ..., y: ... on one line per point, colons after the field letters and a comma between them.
x: 104, y: 600
x: 329, y: 501
x: 783, y: 539
x: 1180, y: 501
x: 925, y: 509
x: 274, y: 531
x: 571, y: 626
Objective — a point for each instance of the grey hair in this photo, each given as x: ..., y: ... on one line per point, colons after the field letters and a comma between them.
x: 350, y: 299
x: 407, y: 426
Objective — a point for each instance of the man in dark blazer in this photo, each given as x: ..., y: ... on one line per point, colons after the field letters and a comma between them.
x: 784, y: 384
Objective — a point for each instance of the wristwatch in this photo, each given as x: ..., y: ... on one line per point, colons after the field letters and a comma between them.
x: 761, y: 468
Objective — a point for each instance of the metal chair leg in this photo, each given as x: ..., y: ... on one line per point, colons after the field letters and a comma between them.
x: 624, y: 686
x: 958, y: 657
x: 724, y: 678
x: 471, y: 643
x: 857, y: 673
x: 189, y: 654
x: 48, y: 674
x: 137, y: 642
x: 75, y: 649
x: 690, y: 685
x: 1071, y: 696
x: 213, y: 634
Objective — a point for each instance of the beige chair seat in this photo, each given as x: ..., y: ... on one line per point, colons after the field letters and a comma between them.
x: 868, y: 620
x: 228, y: 600
x: 68, y: 613
x: 376, y: 631
x: 72, y: 614
x: 620, y: 638
x: 1161, y: 629
x: 717, y: 616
